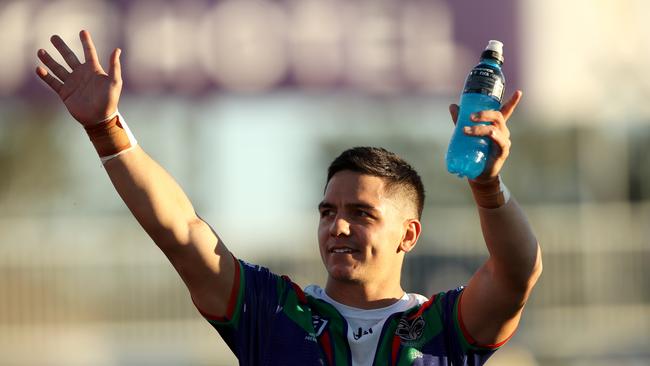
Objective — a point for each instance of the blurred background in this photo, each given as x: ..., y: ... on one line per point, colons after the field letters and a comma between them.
x: 246, y: 102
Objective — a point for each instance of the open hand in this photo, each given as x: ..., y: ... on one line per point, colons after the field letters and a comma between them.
x: 496, y: 130
x: 90, y: 94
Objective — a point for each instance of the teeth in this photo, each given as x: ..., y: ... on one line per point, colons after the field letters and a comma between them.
x: 343, y: 250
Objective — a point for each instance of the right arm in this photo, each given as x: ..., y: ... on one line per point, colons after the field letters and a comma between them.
x: 153, y: 196
x: 166, y: 214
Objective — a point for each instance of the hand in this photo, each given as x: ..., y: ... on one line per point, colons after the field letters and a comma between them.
x: 90, y: 94
x: 496, y: 130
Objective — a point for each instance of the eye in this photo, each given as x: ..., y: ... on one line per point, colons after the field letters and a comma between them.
x: 326, y: 213
x: 362, y: 213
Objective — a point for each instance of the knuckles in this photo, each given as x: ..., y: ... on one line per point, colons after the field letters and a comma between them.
x: 488, y: 116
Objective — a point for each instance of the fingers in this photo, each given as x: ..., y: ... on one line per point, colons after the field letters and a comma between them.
x: 495, y: 117
x: 56, y: 68
x: 65, y: 51
x: 50, y: 80
x: 509, y: 106
x: 114, y: 67
x: 90, y: 53
x: 453, y: 110
x: 496, y: 120
x: 499, y: 117
x: 500, y: 137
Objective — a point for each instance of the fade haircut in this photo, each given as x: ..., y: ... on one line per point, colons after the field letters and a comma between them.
x: 379, y: 162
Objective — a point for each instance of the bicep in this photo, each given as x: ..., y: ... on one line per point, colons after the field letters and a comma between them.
x: 206, y: 267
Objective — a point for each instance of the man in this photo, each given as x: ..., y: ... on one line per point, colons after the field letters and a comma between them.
x: 369, y: 218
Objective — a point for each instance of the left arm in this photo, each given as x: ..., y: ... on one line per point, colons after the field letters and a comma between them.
x: 493, y: 301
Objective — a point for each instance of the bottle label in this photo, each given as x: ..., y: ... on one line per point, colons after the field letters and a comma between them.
x: 484, y: 80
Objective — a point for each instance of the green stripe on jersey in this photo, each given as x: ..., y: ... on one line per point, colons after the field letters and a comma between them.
x: 336, y: 327
x: 292, y: 307
x: 384, y: 348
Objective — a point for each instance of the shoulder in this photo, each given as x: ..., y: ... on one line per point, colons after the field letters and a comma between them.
x: 257, y: 277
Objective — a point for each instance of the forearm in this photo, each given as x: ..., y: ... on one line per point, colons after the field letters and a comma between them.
x: 152, y: 195
x: 514, y: 251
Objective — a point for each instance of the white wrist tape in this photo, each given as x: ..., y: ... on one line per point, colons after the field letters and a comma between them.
x: 116, y: 113
x: 129, y: 134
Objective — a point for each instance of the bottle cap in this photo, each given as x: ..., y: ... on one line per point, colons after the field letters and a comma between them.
x: 494, y: 50
x: 494, y: 45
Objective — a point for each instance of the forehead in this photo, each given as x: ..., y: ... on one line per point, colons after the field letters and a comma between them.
x: 349, y: 184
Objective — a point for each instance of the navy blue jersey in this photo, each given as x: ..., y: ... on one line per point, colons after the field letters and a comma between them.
x: 271, y: 321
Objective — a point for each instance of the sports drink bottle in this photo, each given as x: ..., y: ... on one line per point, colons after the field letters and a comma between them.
x: 484, y: 88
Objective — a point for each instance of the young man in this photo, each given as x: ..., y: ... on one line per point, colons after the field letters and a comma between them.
x: 369, y: 219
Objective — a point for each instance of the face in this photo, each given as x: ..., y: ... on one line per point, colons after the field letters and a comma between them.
x: 364, y: 230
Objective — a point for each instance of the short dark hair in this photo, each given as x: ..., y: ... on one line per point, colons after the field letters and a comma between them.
x: 379, y: 162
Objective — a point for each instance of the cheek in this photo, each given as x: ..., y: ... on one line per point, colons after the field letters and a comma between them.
x: 322, y: 229
x: 384, y: 241
x: 323, y: 234
x: 371, y: 239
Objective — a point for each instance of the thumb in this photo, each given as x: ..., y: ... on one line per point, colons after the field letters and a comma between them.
x: 453, y: 110
x: 114, y: 68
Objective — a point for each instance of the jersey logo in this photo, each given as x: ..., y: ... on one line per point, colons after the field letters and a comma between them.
x: 319, y: 324
x: 410, y: 330
x: 360, y: 333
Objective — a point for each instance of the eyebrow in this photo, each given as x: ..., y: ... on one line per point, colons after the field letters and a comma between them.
x: 326, y: 205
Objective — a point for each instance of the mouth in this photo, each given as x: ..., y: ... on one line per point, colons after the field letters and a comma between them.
x: 342, y: 250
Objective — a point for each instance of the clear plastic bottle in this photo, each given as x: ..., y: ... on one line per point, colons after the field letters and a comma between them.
x: 484, y: 88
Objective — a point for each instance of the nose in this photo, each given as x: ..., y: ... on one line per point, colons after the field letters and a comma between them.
x: 339, y: 227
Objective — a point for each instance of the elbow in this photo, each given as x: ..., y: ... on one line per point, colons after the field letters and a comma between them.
x: 177, y: 235
x: 520, y: 276
x: 538, y: 266
x: 528, y: 278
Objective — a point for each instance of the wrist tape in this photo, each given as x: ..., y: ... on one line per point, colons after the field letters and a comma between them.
x: 111, y: 137
x: 490, y: 195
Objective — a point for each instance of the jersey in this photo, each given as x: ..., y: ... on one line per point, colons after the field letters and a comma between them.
x: 271, y: 321
x: 364, y: 326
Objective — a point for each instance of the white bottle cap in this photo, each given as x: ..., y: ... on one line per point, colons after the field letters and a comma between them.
x: 496, y: 46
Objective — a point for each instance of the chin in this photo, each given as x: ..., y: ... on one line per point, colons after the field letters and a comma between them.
x: 343, y: 274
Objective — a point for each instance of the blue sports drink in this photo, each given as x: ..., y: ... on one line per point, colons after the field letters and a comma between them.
x: 484, y: 87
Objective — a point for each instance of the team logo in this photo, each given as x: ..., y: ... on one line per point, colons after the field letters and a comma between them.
x: 410, y: 330
x: 319, y: 324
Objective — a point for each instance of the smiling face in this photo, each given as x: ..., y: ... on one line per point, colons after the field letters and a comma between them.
x: 364, y: 229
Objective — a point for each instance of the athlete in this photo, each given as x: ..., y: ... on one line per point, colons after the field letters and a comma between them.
x: 369, y: 218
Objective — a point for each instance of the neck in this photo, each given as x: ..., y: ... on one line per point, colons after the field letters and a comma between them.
x: 364, y: 295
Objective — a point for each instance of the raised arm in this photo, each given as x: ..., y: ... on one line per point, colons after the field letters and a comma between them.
x: 492, y: 303
x: 158, y: 203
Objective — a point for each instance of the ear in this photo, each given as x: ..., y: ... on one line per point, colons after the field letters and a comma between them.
x: 412, y: 231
